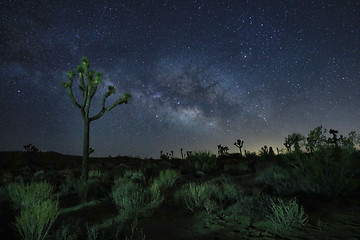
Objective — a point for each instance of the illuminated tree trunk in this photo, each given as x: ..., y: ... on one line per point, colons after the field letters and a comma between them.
x: 84, y: 164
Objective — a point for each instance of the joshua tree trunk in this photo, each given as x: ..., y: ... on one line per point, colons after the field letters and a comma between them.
x: 88, y: 92
x: 85, y: 165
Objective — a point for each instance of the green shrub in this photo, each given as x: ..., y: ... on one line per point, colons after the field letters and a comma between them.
x: 95, y: 174
x: 82, y: 188
x: 167, y: 178
x: 327, y: 172
x: 68, y: 230
x: 211, y: 206
x: 203, y: 161
x: 92, y: 232
x: 195, y: 196
x: 135, y: 175
x: 280, y: 179
x: 68, y: 186
x: 132, y: 200
x: 34, y: 222
x: 27, y: 195
x: 287, y: 216
x: 231, y: 192
x: 251, y: 206
x: 136, y: 232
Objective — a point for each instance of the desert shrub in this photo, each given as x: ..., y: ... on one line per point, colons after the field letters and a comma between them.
x: 211, y: 206
x: 167, y: 178
x: 27, y: 195
x: 215, y: 192
x: 68, y: 230
x: 34, y: 222
x: 287, y: 216
x: 38, y: 175
x: 244, y: 167
x: 279, y: 179
x: 136, y: 233
x: 6, y: 178
x: 255, y: 206
x: 94, y: 174
x: 133, y: 200
x: 329, y: 172
x: 231, y: 192
x: 203, y: 161
x: 93, y: 232
x: 209, y: 196
x: 192, y: 196
x: 135, y: 175
x: 68, y: 186
x: 199, y: 196
x: 82, y: 188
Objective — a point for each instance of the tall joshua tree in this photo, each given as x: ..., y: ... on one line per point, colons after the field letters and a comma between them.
x: 93, y: 79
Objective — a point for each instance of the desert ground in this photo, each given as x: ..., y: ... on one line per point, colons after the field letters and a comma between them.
x: 235, y: 202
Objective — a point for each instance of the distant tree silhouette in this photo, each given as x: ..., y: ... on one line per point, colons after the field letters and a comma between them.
x: 271, y: 152
x: 222, y: 150
x: 288, y: 144
x: 350, y: 141
x: 294, y: 140
x: 334, y: 140
x: 31, y: 148
x: 93, y: 79
x: 315, y: 138
x: 264, y: 151
x: 239, y: 143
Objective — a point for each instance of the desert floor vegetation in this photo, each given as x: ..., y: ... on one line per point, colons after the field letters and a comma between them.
x: 255, y: 196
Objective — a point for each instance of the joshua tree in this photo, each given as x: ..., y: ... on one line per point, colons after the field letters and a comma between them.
x: 334, y: 139
x: 93, y: 79
x: 182, y: 155
x: 222, y: 150
x: 288, y: 144
x: 294, y: 140
x: 271, y: 152
x: 91, y: 151
x: 239, y: 143
x: 31, y: 148
x: 264, y: 151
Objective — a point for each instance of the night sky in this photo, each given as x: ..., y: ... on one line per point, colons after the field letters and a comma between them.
x: 201, y: 73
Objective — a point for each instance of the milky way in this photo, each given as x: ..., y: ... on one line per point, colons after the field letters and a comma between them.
x: 201, y: 73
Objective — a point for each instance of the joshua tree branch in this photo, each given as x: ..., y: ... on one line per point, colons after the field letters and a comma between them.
x: 118, y: 102
x: 68, y: 86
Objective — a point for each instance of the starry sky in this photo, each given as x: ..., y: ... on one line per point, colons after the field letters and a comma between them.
x: 201, y: 73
